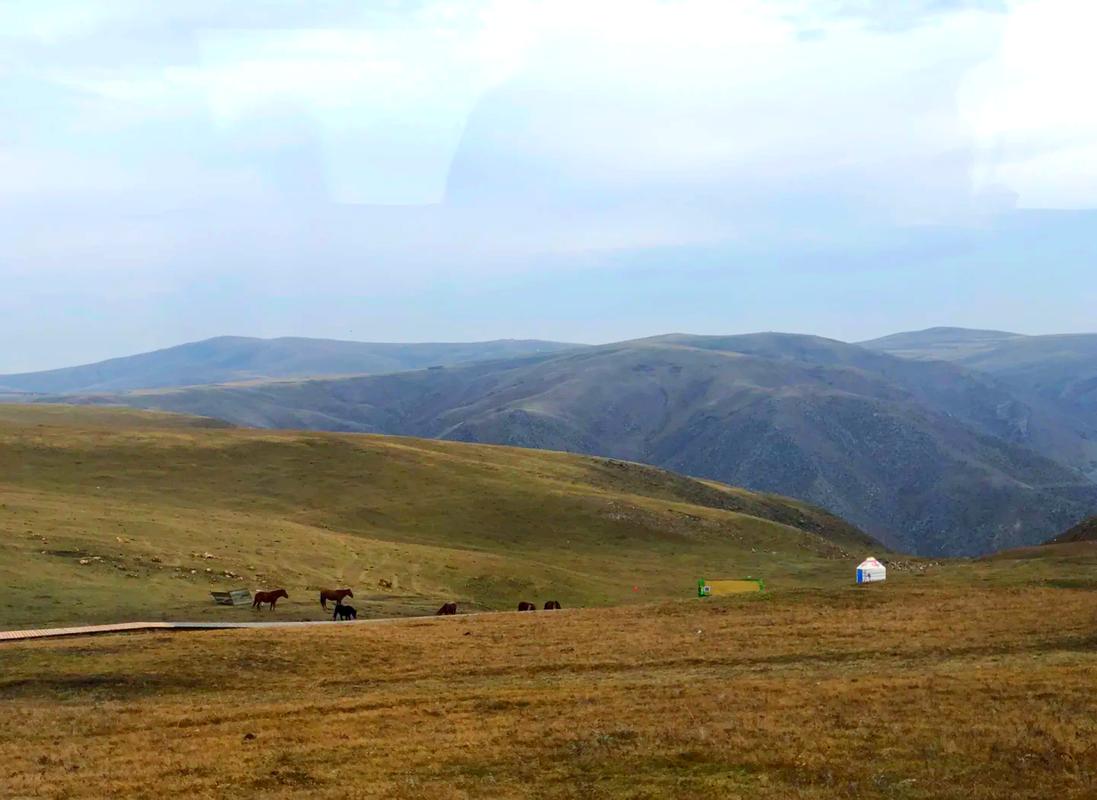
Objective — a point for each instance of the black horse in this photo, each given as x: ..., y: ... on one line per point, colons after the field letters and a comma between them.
x: 344, y: 612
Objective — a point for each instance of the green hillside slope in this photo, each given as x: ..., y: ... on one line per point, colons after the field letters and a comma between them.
x: 108, y: 514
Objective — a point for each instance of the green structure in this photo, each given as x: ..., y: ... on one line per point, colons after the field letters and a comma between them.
x: 739, y: 586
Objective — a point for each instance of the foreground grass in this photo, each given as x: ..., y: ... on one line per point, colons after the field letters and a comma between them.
x: 900, y: 690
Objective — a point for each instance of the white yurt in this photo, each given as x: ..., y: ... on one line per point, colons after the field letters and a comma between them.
x: 871, y: 570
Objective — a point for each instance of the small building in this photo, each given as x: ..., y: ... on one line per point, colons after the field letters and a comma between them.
x: 870, y: 570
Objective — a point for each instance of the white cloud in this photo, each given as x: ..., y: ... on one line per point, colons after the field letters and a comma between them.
x: 210, y: 153
x: 641, y: 120
x: 1031, y: 107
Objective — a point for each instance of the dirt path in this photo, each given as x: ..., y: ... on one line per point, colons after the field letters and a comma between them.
x: 124, y: 627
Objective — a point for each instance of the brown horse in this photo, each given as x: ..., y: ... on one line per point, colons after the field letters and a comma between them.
x: 269, y: 597
x: 338, y: 595
x: 552, y: 604
x: 524, y: 606
x: 447, y: 609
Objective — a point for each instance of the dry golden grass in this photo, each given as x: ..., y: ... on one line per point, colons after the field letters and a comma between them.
x: 901, y: 690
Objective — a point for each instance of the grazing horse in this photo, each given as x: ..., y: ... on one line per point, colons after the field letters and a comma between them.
x: 446, y: 610
x: 269, y: 597
x: 524, y: 606
x: 344, y: 612
x: 552, y: 604
x: 338, y: 595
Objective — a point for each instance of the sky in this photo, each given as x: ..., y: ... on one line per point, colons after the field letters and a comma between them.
x: 578, y: 170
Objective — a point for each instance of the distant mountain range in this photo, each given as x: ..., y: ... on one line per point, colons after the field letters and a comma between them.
x: 1061, y: 369
x: 940, y: 442
x: 227, y: 359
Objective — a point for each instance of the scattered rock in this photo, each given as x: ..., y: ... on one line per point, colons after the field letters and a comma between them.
x: 249, y: 737
x: 909, y: 566
x: 85, y: 561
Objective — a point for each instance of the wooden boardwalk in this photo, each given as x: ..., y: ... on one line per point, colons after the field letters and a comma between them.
x: 126, y: 627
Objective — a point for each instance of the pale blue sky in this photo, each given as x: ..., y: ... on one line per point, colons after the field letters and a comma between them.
x: 584, y: 171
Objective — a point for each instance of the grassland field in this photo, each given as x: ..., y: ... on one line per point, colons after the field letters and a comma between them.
x: 897, y: 690
x: 954, y: 679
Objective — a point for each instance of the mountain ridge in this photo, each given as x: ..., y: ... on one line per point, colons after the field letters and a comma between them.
x: 926, y: 455
x: 229, y: 359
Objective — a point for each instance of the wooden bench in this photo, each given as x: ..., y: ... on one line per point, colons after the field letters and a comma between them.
x: 236, y: 597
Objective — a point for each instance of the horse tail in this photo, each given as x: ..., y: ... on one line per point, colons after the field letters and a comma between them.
x: 323, y: 601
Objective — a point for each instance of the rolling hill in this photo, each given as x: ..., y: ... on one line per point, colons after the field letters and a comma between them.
x: 113, y: 514
x: 234, y: 358
x: 928, y: 456
x: 941, y: 344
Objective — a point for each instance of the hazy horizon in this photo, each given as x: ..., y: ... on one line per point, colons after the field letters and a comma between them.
x: 531, y: 338
x: 466, y: 170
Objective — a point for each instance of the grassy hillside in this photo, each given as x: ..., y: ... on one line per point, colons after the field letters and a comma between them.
x: 238, y: 358
x: 927, y: 456
x: 909, y: 690
x: 109, y: 514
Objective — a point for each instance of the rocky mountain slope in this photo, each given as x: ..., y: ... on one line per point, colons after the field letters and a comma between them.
x: 1084, y: 531
x: 928, y: 456
x: 1057, y: 371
